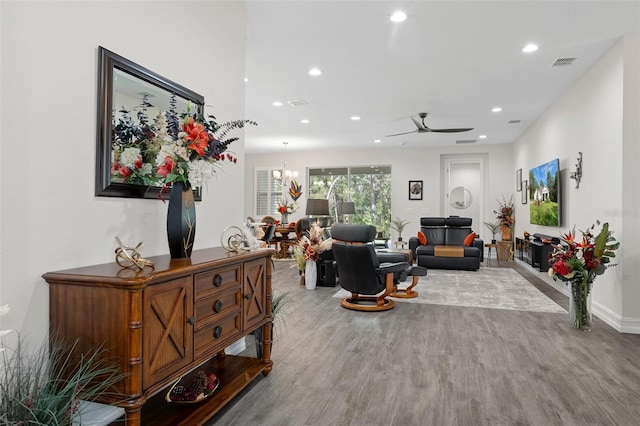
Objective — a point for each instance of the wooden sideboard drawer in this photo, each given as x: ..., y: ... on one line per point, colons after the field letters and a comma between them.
x: 210, y: 336
x: 211, y: 309
x: 207, y: 283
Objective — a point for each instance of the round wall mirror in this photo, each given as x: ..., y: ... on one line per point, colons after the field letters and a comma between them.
x: 460, y: 198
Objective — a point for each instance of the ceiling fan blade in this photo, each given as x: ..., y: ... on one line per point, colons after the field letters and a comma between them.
x: 450, y: 130
x: 418, y: 124
x: 398, y: 134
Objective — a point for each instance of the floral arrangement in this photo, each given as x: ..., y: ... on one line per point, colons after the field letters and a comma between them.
x: 285, y: 208
x: 579, y: 262
x: 310, y: 246
x: 295, y: 190
x: 504, y: 212
x: 170, y: 148
x: 574, y: 260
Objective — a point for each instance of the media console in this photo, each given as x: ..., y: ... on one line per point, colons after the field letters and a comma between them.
x: 164, y: 322
x: 536, y: 251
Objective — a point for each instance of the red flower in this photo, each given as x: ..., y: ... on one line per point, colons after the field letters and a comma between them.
x: 560, y: 268
x: 166, y: 168
x: 124, y: 171
x: 197, y: 135
x: 138, y: 162
x: 282, y: 209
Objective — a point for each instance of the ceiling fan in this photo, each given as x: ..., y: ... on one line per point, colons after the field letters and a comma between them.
x: 423, y: 128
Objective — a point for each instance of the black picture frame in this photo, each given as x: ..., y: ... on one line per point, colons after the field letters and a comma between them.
x: 415, y: 190
x: 524, y: 186
x: 519, y: 180
x: 110, y: 64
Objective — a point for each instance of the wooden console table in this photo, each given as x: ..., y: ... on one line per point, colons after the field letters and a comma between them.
x: 163, y: 322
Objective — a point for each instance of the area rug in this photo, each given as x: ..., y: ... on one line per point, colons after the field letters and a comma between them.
x: 494, y: 288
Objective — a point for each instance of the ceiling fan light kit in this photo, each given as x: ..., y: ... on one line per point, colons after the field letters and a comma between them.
x: 423, y: 128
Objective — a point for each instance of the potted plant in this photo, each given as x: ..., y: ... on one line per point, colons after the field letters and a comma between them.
x: 278, y: 312
x: 504, y: 213
x: 494, y: 227
x: 398, y: 225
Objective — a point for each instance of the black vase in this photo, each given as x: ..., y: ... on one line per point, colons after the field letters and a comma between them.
x: 181, y: 220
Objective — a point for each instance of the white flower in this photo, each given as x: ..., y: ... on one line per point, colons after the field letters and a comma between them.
x: 146, y: 169
x: 129, y: 157
x: 165, y: 151
x: 200, y: 171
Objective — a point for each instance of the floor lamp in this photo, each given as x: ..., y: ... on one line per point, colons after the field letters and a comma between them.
x: 317, y: 207
x: 345, y: 208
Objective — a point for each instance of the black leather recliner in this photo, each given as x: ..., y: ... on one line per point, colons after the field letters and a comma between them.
x: 360, y: 271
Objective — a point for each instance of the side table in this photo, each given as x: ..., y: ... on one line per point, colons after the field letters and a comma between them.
x: 505, y: 250
x: 492, y: 246
x: 400, y: 244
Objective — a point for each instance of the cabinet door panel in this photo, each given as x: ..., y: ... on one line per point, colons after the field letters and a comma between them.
x: 254, y: 290
x: 168, y: 336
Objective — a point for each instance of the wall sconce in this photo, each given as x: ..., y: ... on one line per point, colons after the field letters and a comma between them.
x: 577, y: 175
x: 285, y: 176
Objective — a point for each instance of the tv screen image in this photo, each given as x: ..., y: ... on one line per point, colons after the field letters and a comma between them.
x: 544, y: 194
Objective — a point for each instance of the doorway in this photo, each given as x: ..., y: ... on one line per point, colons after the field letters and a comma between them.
x: 463, y: 189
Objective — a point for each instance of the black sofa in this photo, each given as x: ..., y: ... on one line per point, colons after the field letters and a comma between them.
x: 443, y: 234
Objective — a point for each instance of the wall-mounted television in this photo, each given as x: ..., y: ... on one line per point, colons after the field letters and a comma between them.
x: 544, y: 194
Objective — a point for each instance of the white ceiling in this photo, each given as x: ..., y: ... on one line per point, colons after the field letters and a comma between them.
x: 454, y: 60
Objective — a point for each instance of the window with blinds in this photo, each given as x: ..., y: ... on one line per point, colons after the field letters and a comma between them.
x: 268, y: 193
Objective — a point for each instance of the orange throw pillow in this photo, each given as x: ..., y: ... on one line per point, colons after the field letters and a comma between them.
x: 422, y: 238
x: 468, y: 241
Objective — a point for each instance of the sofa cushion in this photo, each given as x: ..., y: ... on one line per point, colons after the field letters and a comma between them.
x: 435, y: 236
x: 456, y: 236
x: 468, y: 240
x: 422, y: 238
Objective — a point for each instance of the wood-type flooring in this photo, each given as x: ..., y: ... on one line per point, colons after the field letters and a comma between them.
x: 421, y: 364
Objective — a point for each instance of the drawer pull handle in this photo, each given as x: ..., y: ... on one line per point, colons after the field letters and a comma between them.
x: 247, y: 296
x: 217, y: 307
x: 191, y: 320
x: 217, y: 280
x: 217, y: 332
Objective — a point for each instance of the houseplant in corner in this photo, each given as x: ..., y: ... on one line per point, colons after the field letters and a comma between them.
x: 398, y: 225
x: 578, y: 263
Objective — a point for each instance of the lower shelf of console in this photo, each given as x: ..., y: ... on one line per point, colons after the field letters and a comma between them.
x: 234, y: 372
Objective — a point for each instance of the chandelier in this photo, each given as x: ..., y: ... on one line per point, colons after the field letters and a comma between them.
x: 285, y: 176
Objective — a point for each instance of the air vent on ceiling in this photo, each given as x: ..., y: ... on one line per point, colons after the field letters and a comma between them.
x: 466, y: 141
x: 560, y: 62
x: 297, y: 102
x: 514, y: 121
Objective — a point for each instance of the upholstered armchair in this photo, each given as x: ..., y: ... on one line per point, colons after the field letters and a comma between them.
x: 360, y: 271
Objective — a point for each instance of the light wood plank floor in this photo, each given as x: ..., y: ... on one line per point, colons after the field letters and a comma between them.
x: 438, y: 365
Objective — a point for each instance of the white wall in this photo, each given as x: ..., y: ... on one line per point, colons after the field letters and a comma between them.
x: 51, y: 219
x: 589, y: 118
x: 406, y: 164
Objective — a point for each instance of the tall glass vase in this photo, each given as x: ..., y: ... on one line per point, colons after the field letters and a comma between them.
x: 181, y: 220
x: 284, y: 219
x: 310, y: 275
x: 580, y: 304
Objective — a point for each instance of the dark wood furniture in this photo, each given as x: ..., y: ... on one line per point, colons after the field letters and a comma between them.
x: 163, y: 322
x: 536, y: 251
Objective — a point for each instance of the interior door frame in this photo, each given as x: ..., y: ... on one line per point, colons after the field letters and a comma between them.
x: 446, y: 160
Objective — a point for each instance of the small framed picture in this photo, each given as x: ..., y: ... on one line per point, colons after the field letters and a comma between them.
x: 415, y: 190
x: 519, y: 180
x: 524, y: 187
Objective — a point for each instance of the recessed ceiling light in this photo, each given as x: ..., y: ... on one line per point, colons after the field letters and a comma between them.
x: 246, y: 79
x: 530, y: 48
x: 496, y: 109
x: 277, y: 103
x: 355, y: 118
x: 482, y: 137
x: 377, y: 141
x: 315, y: 72
x: 398, y: 16
x: 304, y: 121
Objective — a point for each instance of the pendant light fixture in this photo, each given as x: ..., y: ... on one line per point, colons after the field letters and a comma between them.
x: 285, y: 175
